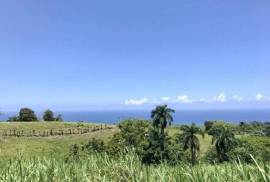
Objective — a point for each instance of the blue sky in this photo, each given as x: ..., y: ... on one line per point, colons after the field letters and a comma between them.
x: 134, y: 54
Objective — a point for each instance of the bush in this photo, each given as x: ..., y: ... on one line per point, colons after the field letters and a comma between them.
x: 133, y: 132
x: 211, y: 156
x: 94, y: 145
x: 242, y: 153
x: 132, y: 135
x: 48, y: 116
x: 74, y: 153
x: 208, y: 125
x: 217, y: 127
x: 27, y: 114
x: 258, y: 147
x: 116, y: 145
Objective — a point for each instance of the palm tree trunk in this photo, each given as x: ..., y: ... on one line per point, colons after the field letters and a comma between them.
x: 193, y: 155
x: 162, y: 144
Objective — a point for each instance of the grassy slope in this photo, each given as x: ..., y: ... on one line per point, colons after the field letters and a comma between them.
x: 28, y: 126
x: 44, y: 146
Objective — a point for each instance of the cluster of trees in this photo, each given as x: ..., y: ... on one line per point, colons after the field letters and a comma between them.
x: 254, y: 128
x: 28, y: 115
x: 154, y: 145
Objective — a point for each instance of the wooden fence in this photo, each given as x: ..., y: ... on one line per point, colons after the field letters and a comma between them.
x: 54, y: 132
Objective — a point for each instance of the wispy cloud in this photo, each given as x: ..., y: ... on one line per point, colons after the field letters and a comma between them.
x: 220, y: 98
x: 136, y: 102
x: 237, y: 98
x: 259, y: 97
x: 166, y: 98
x: 185, y: 99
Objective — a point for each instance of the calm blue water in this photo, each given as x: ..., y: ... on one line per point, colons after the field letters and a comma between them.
x: 180, y: 117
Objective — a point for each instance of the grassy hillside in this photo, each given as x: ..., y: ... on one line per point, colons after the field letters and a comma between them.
x: 11, y: 146
x: 28, y: 126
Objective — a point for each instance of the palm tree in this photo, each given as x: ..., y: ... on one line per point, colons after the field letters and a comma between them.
x: 162, y: 116
x: 191, y: 141
x: 224, y: 141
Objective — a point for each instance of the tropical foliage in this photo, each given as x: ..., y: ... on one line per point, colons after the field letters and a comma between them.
x: 224, y: 141
x: 191, y: 141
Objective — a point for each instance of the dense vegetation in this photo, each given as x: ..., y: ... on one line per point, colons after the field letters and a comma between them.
x: 154, y: 146
x: 140, y: 150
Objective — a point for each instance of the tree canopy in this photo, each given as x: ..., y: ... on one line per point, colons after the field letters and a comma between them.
x: 27, y: 114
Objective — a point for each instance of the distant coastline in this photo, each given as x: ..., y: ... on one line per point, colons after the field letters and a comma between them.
x: 180, y: 117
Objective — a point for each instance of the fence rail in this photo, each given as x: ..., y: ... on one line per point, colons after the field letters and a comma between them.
x: 53, y: 132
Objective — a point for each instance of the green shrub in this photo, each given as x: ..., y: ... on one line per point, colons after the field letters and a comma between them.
x: 211, y: 156
x: 243, y: 152
x: 48, y: 116
x: 208, y: 125
x: 133, y: 132
x: 261, y: 146
x: 27, y: 114
x: 116, y: 145
x: 132, y: 135
x: 74, y: 152
x: 94, y: 145
x: 244, y: 148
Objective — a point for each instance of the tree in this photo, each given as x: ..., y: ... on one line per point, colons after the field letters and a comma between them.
x: 27, y: 114
x: 191, y: 141
x: 208, y: 125
x: 48, y: 116
x: 133, y: 131
x: 224, y: 142
x: 267, y: 130
x: 162, y: 116
x: 132, y: 135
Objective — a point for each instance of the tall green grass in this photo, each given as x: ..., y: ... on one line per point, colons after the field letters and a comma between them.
x: 101, y: 167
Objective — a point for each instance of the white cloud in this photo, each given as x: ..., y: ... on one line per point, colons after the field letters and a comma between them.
x: 237, y: 98
x: 183, y: 99
x: 259, y: 97
x: 166, y: 98
x: 204, y: 100
x: 136, y: 102
x: 220, y: 98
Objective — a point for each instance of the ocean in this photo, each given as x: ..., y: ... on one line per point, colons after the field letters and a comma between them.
x: 180, y: 117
